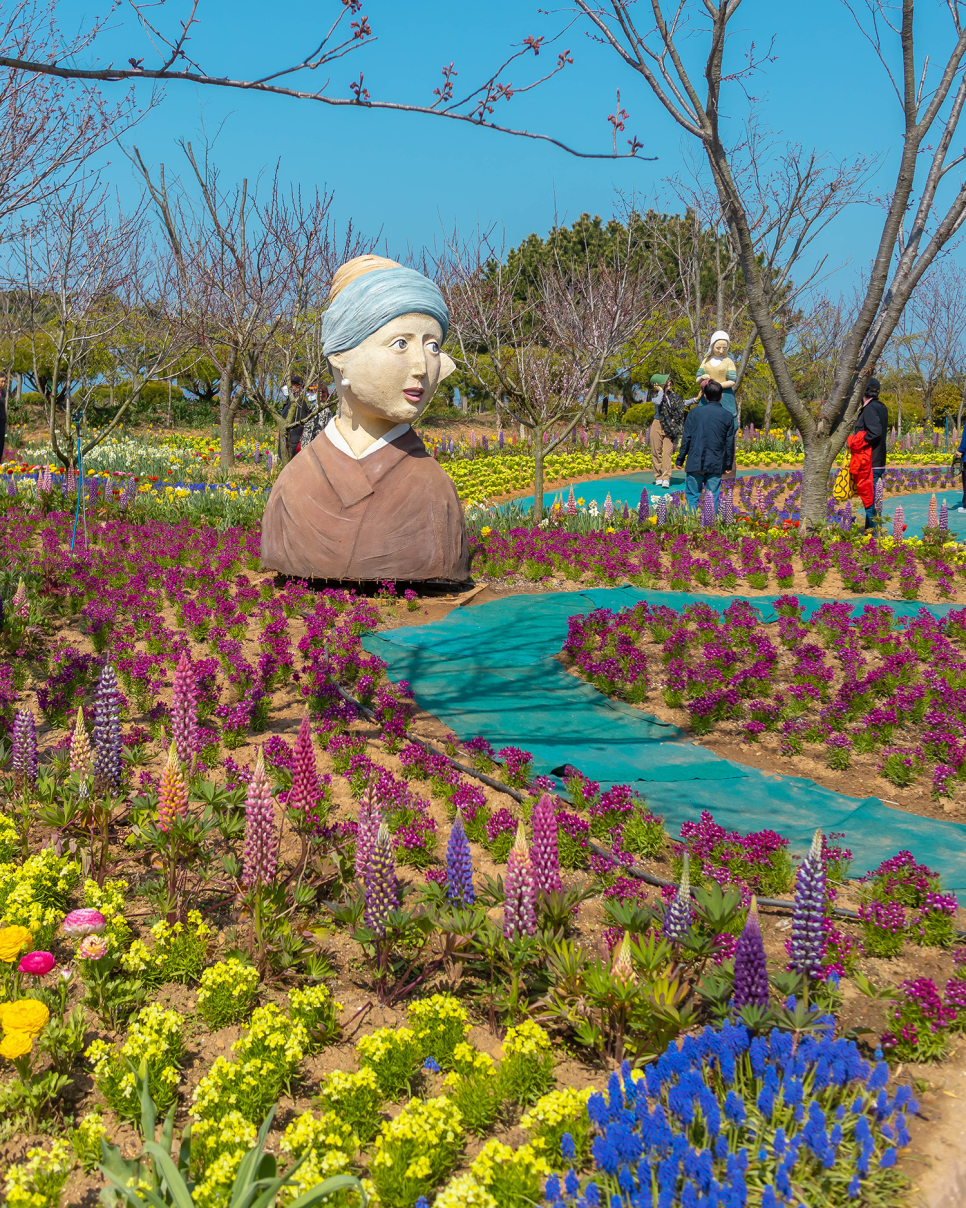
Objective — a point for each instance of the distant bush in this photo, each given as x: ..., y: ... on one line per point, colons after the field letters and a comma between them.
x: 640, y: 414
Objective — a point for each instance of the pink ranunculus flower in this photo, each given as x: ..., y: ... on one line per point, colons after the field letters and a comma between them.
x: 84, y: 922
x: 91, y: 948
x: 37, y: 963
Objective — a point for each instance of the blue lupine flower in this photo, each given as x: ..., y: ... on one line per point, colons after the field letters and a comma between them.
x: 853, y: 1188
x: 734, y: 1108
x: 689, y: 1196
x: 779, y: 1142
x: 592, y: 1195
x: 766, y: 1102
x: 605, y: 1154
x: 667, y: 1174
x: 626, y: 1181
x: 597, y: 1109
x: 567, y: 1147
x: 571, y: 1183
x: 768, y: 1199
x: 422, y: 1202
x: 431, y: 1064
x: 902, y: 1133
x: 888, y: 1158
x: 721, y: 1149
x: 552, y: 1190
x: 879, y: 1077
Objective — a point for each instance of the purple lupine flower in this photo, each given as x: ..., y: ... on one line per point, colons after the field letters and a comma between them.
x: 751, y: 966
x: 20, y: 605
x: 546, y: 858
x: 382, y: 890
x: 878, y: 495
x: 519, y: 914
x: 571, y: 501
x: 943, y: 516
x: 24, y: 751
x: 260, y: 858
x: 808, y: 918
x: 107, y: 731
x: 459, y: 865
x: 677, y: 917
x: 305, y: 793
x: 726, y: 505
x: 608, y: 507
x: 184, y: 709
x: 643, y: 508
x: 661, y: 513
x: 707, y: 509
x: 370, y: 819
x: 898, y: 523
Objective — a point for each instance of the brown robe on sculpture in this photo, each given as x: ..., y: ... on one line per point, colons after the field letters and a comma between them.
x: 391, y: 514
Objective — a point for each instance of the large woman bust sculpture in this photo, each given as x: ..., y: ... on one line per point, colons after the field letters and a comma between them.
x: 365, y: 501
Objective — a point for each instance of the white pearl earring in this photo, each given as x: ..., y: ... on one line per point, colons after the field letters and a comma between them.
x: 345, y: 381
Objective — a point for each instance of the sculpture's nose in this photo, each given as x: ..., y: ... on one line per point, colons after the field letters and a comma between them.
x: 417, y: 363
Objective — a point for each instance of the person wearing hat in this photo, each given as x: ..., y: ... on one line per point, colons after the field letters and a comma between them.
x: 662, y: 446
x: 873, y: 424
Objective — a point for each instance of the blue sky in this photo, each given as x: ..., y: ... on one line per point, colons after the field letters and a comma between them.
x: 411, y: 176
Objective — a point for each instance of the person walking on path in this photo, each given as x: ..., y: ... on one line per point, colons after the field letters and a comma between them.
x: 707, y: 446
x: 662, y: 446
x: 873, y: 423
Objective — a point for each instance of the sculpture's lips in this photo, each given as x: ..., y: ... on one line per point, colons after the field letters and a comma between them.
x: 414, y: 395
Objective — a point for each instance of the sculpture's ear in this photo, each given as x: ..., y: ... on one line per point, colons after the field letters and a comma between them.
x: 446, y: 365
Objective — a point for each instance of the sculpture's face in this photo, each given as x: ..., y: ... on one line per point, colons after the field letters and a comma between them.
x: 720, y: 348
x: 393, y: 373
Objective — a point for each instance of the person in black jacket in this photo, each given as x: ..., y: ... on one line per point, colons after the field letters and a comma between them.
x: 707, y: 446
x: 874, y: 423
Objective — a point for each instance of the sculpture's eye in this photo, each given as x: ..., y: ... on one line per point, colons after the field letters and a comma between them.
x: 433, y: 346
x: 399, y: 343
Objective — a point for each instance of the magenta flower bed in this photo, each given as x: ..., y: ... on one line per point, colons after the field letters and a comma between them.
x: 835, y: 685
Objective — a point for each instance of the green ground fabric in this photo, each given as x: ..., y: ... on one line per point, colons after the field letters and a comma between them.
x: 490, y: 670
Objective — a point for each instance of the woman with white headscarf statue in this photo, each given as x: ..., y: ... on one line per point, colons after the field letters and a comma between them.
x: 365, y: 501
x: 718, y: 366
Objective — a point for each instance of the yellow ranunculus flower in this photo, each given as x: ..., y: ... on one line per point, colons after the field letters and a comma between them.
x: 13, y: 940
x: 24, y: 1015
x: 16, y: 1044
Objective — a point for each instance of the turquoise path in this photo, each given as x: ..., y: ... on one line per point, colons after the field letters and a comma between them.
x: 623, y: 488
x: 490, y: 670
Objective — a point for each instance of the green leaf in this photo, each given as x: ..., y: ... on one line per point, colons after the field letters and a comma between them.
x: 177, y: 1187
x: 321, y: 1191
x: 137, y: 1196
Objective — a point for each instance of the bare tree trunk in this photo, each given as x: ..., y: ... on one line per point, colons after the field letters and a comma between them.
x: 226, y: 426
x: 768, y: 410
x: 819, y: 458
x: 169, y: 402
x: 538, y: 473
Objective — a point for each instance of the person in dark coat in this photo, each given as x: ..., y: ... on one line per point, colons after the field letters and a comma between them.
x: 707, y: 446
x: 873, y: 424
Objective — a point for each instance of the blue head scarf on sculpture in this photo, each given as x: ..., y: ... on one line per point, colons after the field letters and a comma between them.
x: 375, y: 299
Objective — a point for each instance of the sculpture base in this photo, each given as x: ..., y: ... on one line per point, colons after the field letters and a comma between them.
x: 373, y: 587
